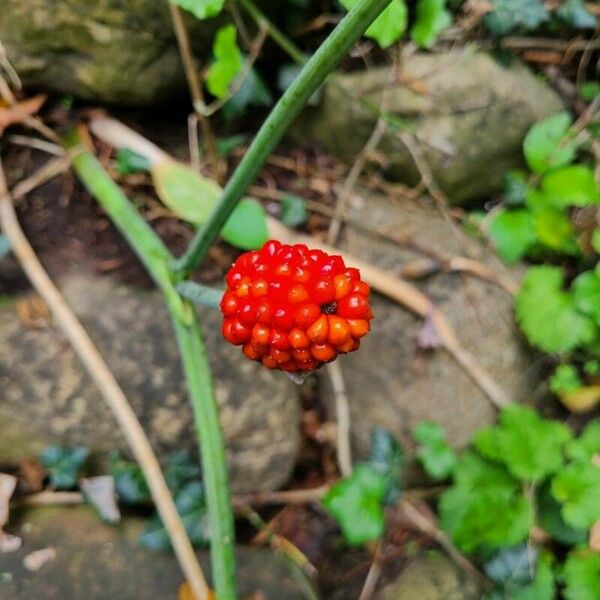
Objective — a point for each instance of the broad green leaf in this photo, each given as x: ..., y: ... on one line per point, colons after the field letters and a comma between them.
x: 586, y: 293
x: 431, y: 19
x: 435, y: 454
x: 574, y: 185
x: 529, y: 446
x: 581, y: 400
x: 589, y: 90
x: 512, y: 233
x: 246, y: 228
x: 4, y: 246
x: 565, y: 379
x: 201, y: 9
x: 387, y: 458
x: 356, y: 503
x: 596, y: 241
x: 293, y: 210
x: 63, y: 464
x: 389, y: 26
x: 576, y: 14
x: 228, y: 62
x: 252, y: 92
x: 516, y: 187
x: 577, y: 488
x: 181, y: 470
x: 547, y: 144
x: 547, y: 314
x: 130, y: 483
x: 508, y: 15
x: 512, y: 567
x: 188, y: 194
x: 555, y: 230
x: 227, y: 145
x: 129, y: 162
x: 587, y: 445
x: 550, y: 519
x: 591, y: 367
x: 582, y: 575
x: 542, y: 587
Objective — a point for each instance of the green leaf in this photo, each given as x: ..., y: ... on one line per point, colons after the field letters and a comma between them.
x: 181, y: 470
x: 516, y: 187
x: 555, y: 230
x: 435, y: 454
x: 596, y: 241
x: 130, y: 483
x: 199, y: 294
x: 550, y: 519
x: 587, y: 445
x: 387, y: 458
x: 512, y: 567
x: 129, y: 162
x: 4, y: 246
x: 356, y: 503
x: 227, y: 145
x: 589, y: 90
x: 246, y: 228
x: 547, y: 144
x: 507, y: 15
x: 293, y: 210
x: 228, y: 62
x: 547, y: 314
x: 591, y: 367
x: 574, y: 185
x: 389, y: 26
x: 63, y: 464
x: 586, y: 293
x: 191, y: 506
x: 201, y: 9
x: 582, y: 575
x: 577, y: 488
x: 565, y: 379
x: 512, y: 233
x: 575, y: 13
x: 252, y: 92
x: 431, y: 19
x: 542, y: 587
x: 530, y: 446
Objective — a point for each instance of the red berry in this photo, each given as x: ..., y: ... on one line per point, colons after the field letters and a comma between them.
x: 292, y: 308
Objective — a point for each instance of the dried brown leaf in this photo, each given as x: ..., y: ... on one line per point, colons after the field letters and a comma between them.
x: 20, y: 112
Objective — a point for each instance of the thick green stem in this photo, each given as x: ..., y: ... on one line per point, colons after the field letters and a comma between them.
x: 277, y: 123
x: 156, y: 258
x: 198, y: 375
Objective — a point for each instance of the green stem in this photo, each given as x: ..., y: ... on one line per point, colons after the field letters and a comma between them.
x: 277, y: 123
x: 156, y: 258
x: 206, y: 414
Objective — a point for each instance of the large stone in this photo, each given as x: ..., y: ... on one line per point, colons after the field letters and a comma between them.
x: 95, y: 561
x: 390, y: 382
x: 117, y: 51
x: 468, y: 113
x: 46, y: 397
x: 431, y: 576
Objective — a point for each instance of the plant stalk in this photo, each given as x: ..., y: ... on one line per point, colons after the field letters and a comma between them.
x: 277, y: 123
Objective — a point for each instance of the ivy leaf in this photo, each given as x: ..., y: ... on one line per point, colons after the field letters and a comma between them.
x: 129, y: 162
x: 356, y: 503
x: 582, y: 575
x: 575, y: 13
x: 201, y: 9
x: 431, y: 19
x: 547, y: 144
x: 542, y: 587
x: 63, y: 464
x: 550, y: 519
x: 586, y: 293
x: 435, y: 454
x: 516, y: 187
x: 512, y: 233
x: 555, y: 230
x: 293, y: 210
x: 565, y: 379
x: 508, y: 15
x: 130, y: 483
x: 547, y: 314
x: 587, y: 445
x: 247, y: 226
x: 530, y: 446
x: 389, y: 26
x: 574, y: 185
x: 227, y: 64
x: 577, y: 488
x: 512, y: 567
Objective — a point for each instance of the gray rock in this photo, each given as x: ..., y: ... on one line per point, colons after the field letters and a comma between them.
x: 431, y: 576
x: 390, y: 383
x: 117, y: 51
x: 45, y: 396
x: 470, y: 115
x: 95, y: 561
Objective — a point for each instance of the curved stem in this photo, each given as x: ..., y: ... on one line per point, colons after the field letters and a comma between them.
x: 277, y: 123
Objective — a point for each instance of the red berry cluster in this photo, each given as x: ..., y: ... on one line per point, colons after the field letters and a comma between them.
x: 292, y: 308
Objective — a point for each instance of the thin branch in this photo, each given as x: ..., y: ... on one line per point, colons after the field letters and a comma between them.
x: 51, y: 169
x: 372, y: 576
x: 342, y: 413
x: 109, y: 388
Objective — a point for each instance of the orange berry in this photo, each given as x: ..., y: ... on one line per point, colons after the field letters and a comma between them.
x: 269, y: 362
x: 342, y: 284
x: 307, y: 314
x: 361, y: 287
x: 251, y: 351
x: 281, y: 356
x: 317, y: 332
x: 338, y: 330
x: 358, y: 327
x: 261, y: 334
x: 297, y: 294
x: 301, y: 354
x: 298, y: 339
x: 323, y: 352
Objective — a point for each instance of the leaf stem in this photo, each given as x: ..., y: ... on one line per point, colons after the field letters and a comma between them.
x: 277, y: 123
